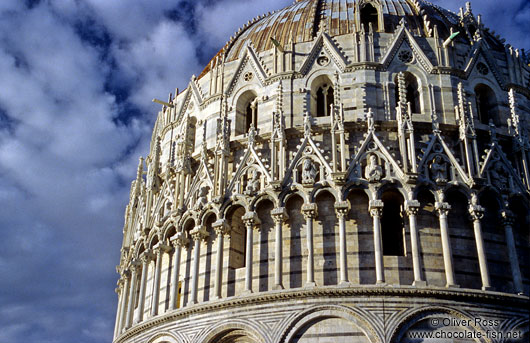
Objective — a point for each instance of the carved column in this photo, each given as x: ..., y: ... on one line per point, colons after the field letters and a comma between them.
x: 443, y: 209
x: 477, y: 213
x: 412, y: 208
x: 376, y: 211
x: 508, y: 219
x: 310, y: 212
x: 221, y: 228
x: 341, y: 209
x: 279, y: 215
x: 198, y: 234
x: 120, y: 291
x: 132, y: 293
x: 178, y: 241
x: 123, y: 309
x: 146, y: 258
x: 160, y: 249
x: 251, y: 220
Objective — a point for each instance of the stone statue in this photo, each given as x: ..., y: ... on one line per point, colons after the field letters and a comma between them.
x: 498, y: 176
x: 438, y: 169
x: 309, y: 171
x: 253, y: 184
x: 202, y: 198
x: 373, y: 171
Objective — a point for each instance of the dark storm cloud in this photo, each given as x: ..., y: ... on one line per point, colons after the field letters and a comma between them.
x: 75, y: 113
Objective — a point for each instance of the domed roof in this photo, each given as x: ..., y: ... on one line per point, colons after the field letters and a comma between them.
x: 301, y: 22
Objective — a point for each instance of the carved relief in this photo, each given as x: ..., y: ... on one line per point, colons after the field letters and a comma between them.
x: 373, y: 171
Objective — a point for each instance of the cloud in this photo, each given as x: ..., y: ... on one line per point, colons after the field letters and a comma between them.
x: 217, y: 32
x: 509, y: 19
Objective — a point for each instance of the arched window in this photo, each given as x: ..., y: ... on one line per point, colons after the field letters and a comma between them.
x: 392, y: 224
x: 412, y: 95
x: 486, y: 105
x: 369, y: 16
x: 322, y: 96
x: 246, y: 112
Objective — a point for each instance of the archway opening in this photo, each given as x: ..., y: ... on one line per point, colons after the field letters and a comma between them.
x: 322, y: 96
x: 246, y: 112
x: 392, y: 225
x: 487, y: 108
x: 369, y: 17
x: 412, y: 92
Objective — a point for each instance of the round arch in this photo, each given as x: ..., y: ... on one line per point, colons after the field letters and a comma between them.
x: 359, y: 318
x: 166, y: 337
x: 415, y: 317
x: 255, y: 331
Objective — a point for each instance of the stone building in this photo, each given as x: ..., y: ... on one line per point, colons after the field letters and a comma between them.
x: 341, y: 171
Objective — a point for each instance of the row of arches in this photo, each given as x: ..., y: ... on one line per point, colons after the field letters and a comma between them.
x: 343, y: 324
x: 322, y: 96
x: 325, y: 237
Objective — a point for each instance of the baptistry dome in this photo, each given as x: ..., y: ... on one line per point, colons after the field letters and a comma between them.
x: 341, y: 171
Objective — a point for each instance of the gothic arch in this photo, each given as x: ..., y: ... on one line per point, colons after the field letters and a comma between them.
x: 360, y: 318
x: 360, y: 16
x: 414, y: 89
x: 322, y: 94
x: 486, y: 104
x: 246, y: 108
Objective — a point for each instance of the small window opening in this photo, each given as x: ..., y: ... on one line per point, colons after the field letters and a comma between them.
x: 486, y: 105
x: 413, y: 92
x: 325, y: 97
x: 392, y: 226
x: 251, y: 114
x: 369, y: 16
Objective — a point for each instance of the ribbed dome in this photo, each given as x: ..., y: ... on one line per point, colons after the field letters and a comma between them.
x: 301, y: 21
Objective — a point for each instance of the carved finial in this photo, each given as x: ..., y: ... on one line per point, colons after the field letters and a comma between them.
x: 493, y: 131
x: 140, y: 169
x: 370, y: 120
x: 251, y: 135
x: 307, y: 125
x: 468, y: 7
x: 402, y: 88
x: 279, y: 98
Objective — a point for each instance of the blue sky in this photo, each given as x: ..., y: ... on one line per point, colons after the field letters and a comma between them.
x: 76, y: 82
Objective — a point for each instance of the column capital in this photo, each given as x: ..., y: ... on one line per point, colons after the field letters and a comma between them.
x: 342, y: 208
x: 199, y: 233
x: 443, y: 208
x: 310, y: 210
x: 134, y: 266
x: 476, y: 212
x: 412, y: 207
x: 376, y: 208
x: 221, y: 227
x: 251, y: 219
x: 179, y: 240
x: 147, y: 256
x: 161, y: 248
x: 279, y: 215
x: 507, y: 217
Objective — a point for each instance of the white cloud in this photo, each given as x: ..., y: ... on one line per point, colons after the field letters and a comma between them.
x: 158, y: 62
x: 217, y: 31
x: 66, y: 163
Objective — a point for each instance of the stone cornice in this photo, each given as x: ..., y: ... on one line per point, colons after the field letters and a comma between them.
x: 466, y: 295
